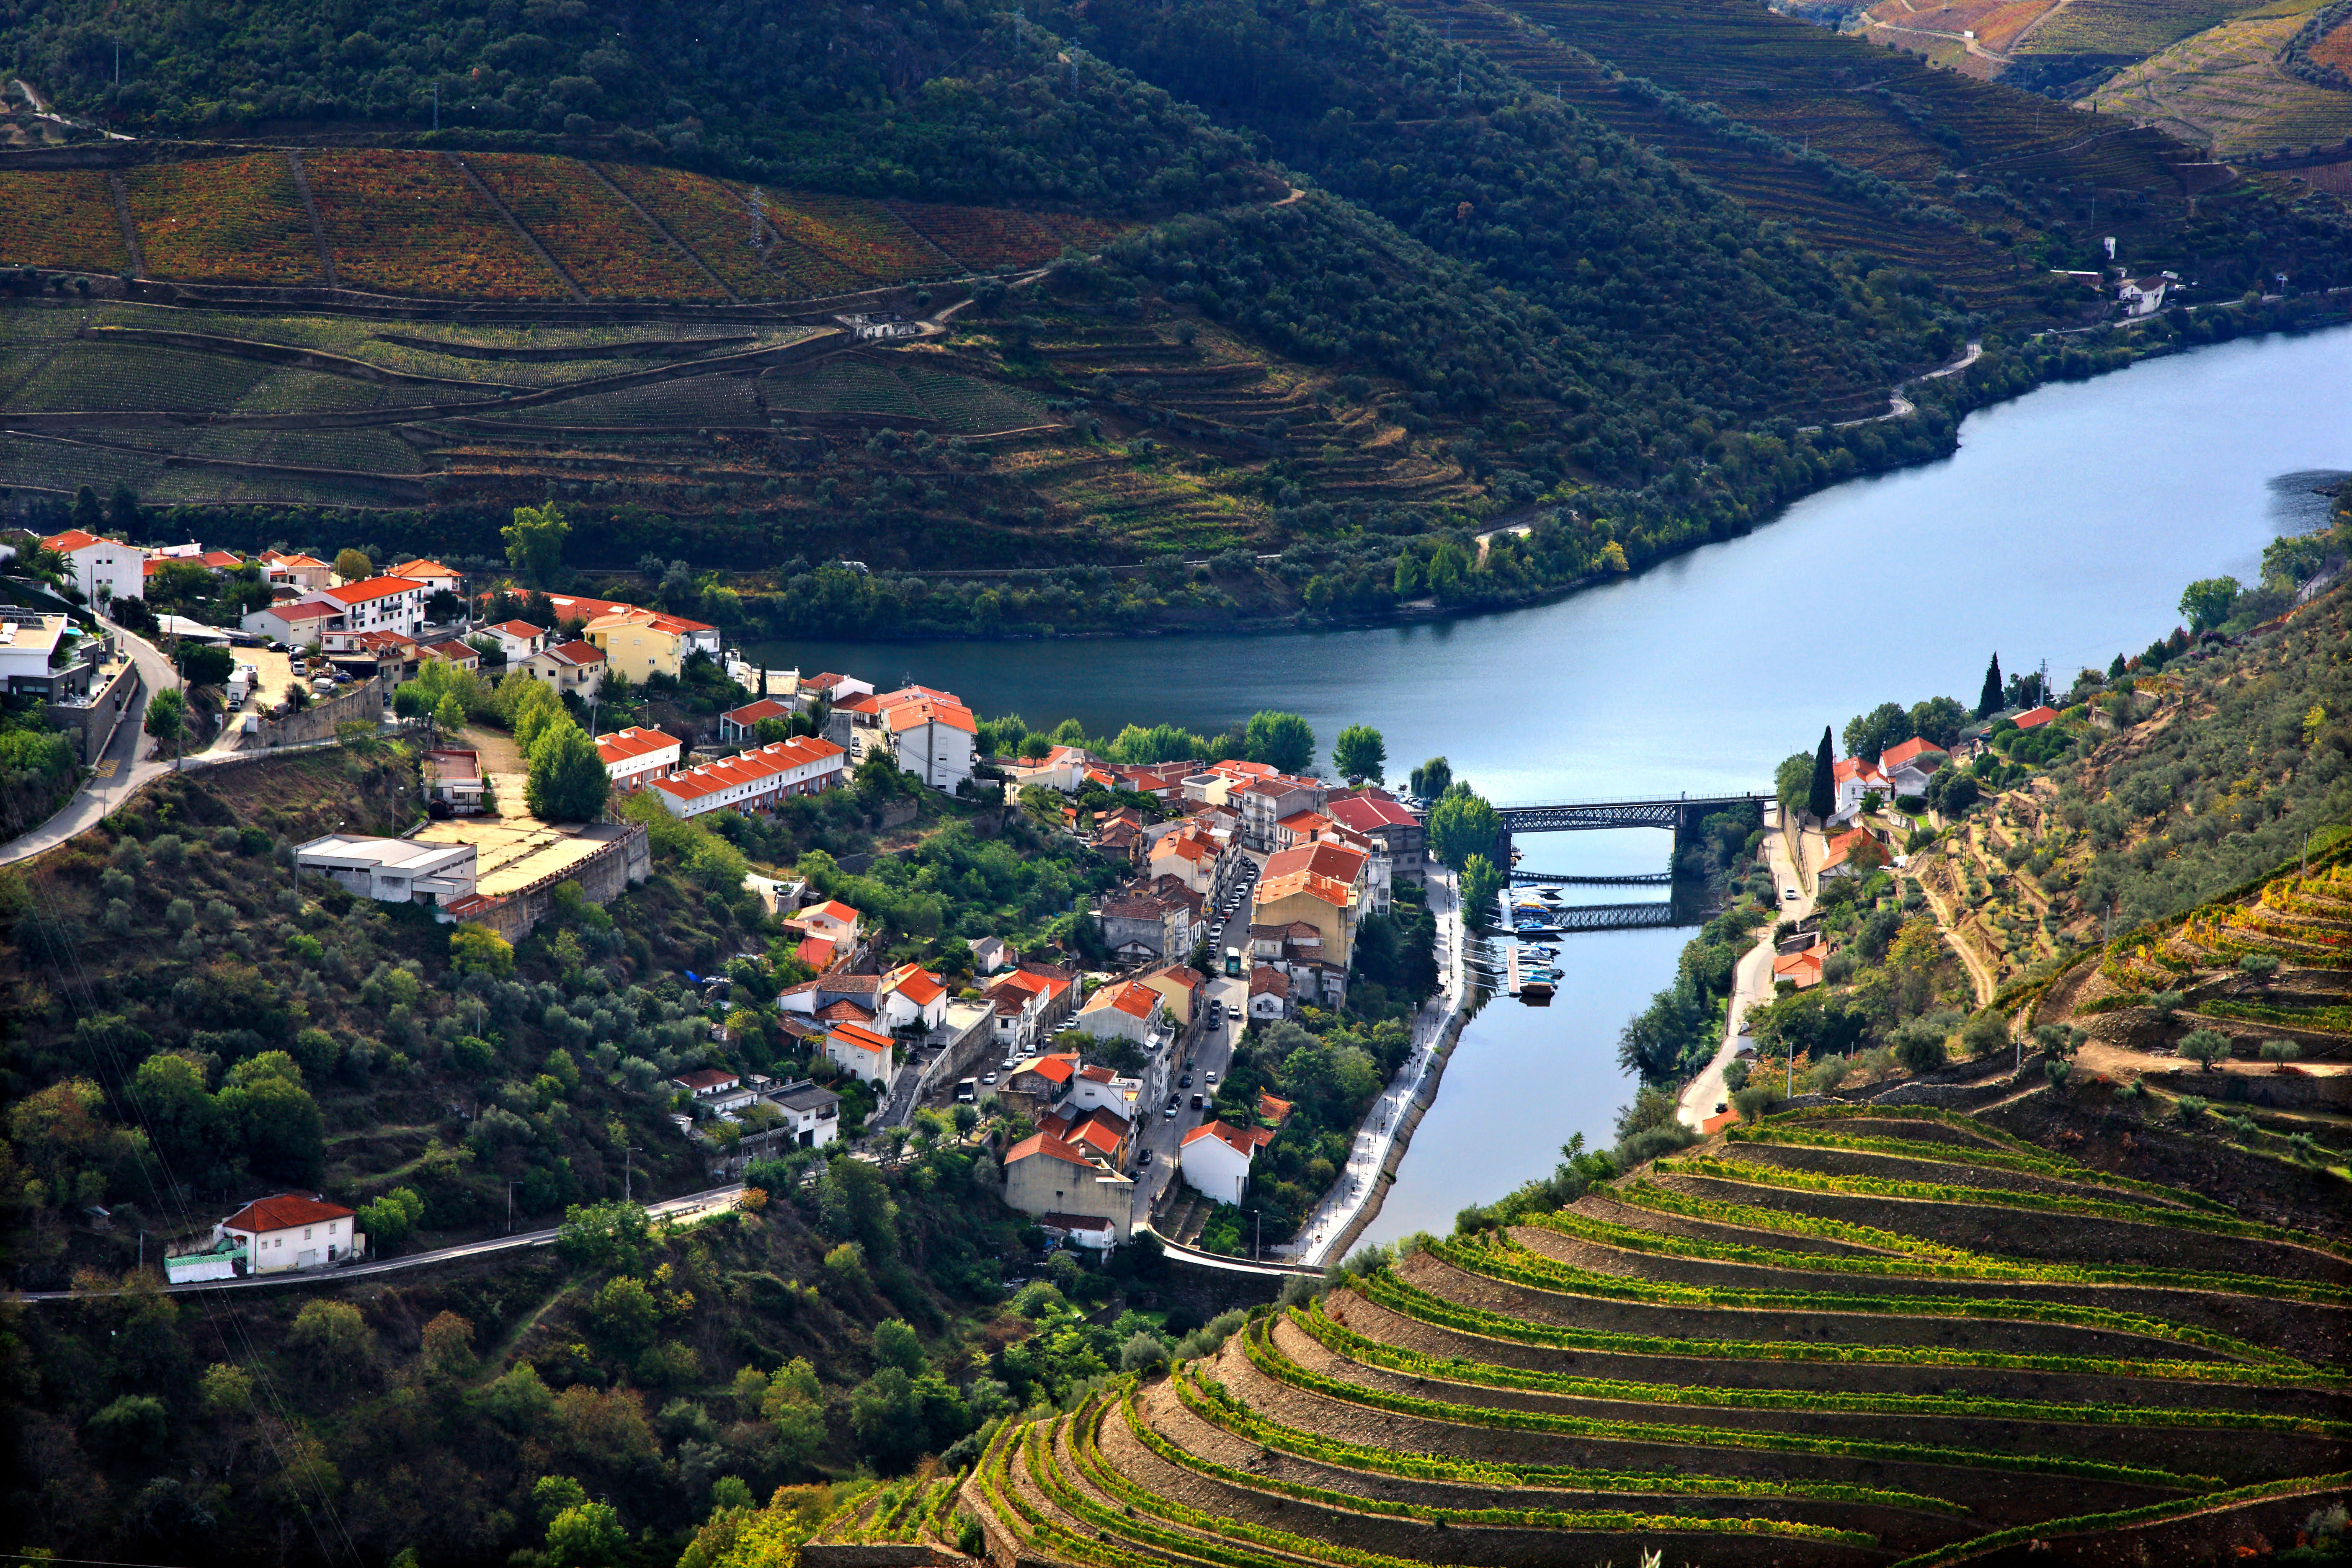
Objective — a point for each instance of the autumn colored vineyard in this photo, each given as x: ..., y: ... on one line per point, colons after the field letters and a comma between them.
x: 416, y: 224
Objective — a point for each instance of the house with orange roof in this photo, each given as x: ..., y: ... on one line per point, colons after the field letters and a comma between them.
x: 100, y: 568
x: 1018, y: 1000
x: 1266, y: 801
x: 436, y: 578
x: 1047, y: 1077
x: 1910, y: 764
x: 755, y: 780
x: 1192, y: 856
x: 575, y: 666
x: 1126, y: 1010
x: 1321, y: 885
x: 911, y: 998
x: 297, y: 623
x: 740, y: 726
x: 1045, y: 1176
x: 930, y: 733
x: 306, y: 573
x: 1394, y: 833
x: 1269, y: 993
x: 291, y: 1231
x: 1272, y: 1111
x: 833, y: 920
x: 2035, y: 718
x: 1103, y: 1134
x: 861, y: 1051
x: 816, y: 953
x: 1855, y: 853
x: 1855, y: 778
x: 381, y: 604
x: 516, y: 639
x: 633, y: 758
x: 1802, y: 970
x: 1062, y: 768
x: 1216, y: 1158
x: 1182, y: 991
x: 453, y: 652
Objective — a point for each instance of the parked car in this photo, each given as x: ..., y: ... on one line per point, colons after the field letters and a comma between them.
x: 1196, y: 1102
x: 1144, y: 1159
x: 1211, y: 1079
x: 1790, y: 895
x: 1185, y: 1082
x: 988, y: 1078
x: 1172, y: 1111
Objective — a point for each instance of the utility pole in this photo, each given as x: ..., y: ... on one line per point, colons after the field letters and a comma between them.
x: 436, y: 106
x: 509, y: 1206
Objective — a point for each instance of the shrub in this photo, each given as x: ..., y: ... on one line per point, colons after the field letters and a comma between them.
x: 2165, y: 1004
x: 2259, y: 966
x: 133, y: 1427
x: 2205, y: 1046
x: 1750, y: 1103
x: 1919, y: 1046
x: 2280, y: 1051
x: 1985, y: 1032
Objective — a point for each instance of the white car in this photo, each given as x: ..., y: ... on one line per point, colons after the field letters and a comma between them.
x: 1790, y: 895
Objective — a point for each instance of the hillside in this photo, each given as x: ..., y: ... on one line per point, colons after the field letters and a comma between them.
x: 1850, y: 1334
x: 1418, y: 266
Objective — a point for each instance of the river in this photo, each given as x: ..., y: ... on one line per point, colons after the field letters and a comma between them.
x: 2063, y: 530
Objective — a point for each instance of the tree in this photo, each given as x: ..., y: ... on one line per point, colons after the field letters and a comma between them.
x: 535, y: 542
x: 2206, y: 602
x: 86, y: 514
x: 1463, y: 825
x: 2204, y: 1047
x: 1792, y: 781
x: 122, y: 512
x: 477, y: 950
x: 1360, y: 753
x: 1938, y: 721
x: 391, y: 1219
x: 568, y: 781
x: 1820, y: 791
x: 585, y: 1535
x: 895, y: 1344
x: 353, y: 566
x: 449, y: 715
x: 1282, y: 742
x: 610, y: 1235
x: 1869, y: 734
x: 167, y: 715
x: 1988, y: 699
x: 1433, y: 778
x: 1481, y: 881
x: 205, y: 665
x: 1919, y: 1046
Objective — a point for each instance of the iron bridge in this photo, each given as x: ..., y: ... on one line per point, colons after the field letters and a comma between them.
x: 1679, y: 816
x: 1603, y: 917
x: 1558, y: 880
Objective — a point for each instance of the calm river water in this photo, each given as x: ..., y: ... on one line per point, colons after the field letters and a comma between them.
x: 2063, y: 530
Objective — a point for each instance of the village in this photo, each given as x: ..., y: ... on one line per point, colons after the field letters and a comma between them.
x: 1236, y: 899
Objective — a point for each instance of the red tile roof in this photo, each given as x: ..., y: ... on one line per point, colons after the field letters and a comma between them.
x: 1049, y: 1146
x: 863, y: 1038
x: 1337, y: 861
x: 574, y: 653
x: 814, y: 952
x: 919, y: 705
x: 1265, y: 982
x: 1057, y: 1068
x: 1244, y: 1142
x: 375, y: 588
x: 71, y: 540
x: 834, y: 910
x: 1365, y: 813
x: 1272, y: 1109
x: 748, y: 767
x: 419, y: 569
x: 916, y: 986
x: 522, y: 629
x: 1895, y: 756
x: 751, y: 713
x: 283, y: 1212
x: 704, y: 1079
x: 2035, y: 718
x: 1326, y: 889
x: 627, y: 745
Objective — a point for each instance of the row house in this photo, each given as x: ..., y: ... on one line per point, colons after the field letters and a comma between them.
x: 1265, y: 802
x: 633, y: 758
x: 1127, y: 1010
x: 754, y: 780
x: 1158, y: 923
x: 861, y: 1052
x: 740, y: 726
x: 1068, y: 1188
x: 1103, y: 1133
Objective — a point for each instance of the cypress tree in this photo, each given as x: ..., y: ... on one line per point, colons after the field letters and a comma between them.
x: 1820, y: 800
x: 1988, y: 699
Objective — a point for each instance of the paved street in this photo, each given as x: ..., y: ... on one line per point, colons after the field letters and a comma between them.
x: 1212, y: 1052
x: 1751, y: 982
x: 668, y: 1208
x: 118, y: 773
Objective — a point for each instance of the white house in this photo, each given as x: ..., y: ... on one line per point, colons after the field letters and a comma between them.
x: 1216, y: 1158
x: 1909, y: 766
x: 306, y: 573
x: 715, y: 1090
x: 812, y: 1115
x: 391, y: 870
x: 436, y: 578
x: 1856, y: 778
x: 834, y: 920
x: 1269, y: 993
x: 738, y: 726
x: 297, y: 623
x: 754, y: 780
x: 1128, y: 1011
x: 381, y: 604
x: 911, y: 998
x: 568, y: 667
x: 860, y: 1052
x: 633, y: 758
x: 930, y: 735
x: 96, y: 564
x: 293, y: 1232
x: 2142, y: 296
x: 517, y: 639
x: 1095, y: 1087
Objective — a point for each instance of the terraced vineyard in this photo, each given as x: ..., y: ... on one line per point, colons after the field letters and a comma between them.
x: 410, y: 223
x: 1854, y: 1334
x: 2223, y: 89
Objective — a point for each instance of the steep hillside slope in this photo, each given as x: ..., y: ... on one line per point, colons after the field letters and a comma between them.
x: 1851, y: 1335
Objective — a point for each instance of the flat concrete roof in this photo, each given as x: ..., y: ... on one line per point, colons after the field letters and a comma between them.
x: 514, y: 852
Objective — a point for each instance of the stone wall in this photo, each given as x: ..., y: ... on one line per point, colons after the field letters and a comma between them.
x: 602, y: 877
x: 317, y: 721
